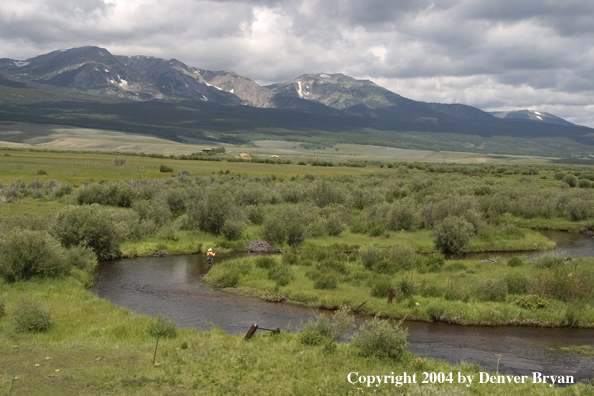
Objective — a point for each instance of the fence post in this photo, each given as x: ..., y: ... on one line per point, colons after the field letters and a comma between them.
x: 390, y: 295
x: 251, y: 331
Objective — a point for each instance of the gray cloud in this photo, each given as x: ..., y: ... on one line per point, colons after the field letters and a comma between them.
x: 499, y: 54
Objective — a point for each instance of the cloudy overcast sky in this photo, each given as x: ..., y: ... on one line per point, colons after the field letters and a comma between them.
x: 492, y: 54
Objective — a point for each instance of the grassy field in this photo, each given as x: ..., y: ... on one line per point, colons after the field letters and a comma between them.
x: 342, y: 151
x: 59, y: 137
x: 94, y: 348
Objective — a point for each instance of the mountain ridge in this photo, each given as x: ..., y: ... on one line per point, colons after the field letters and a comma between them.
x: 95, y: 70
x: 225, y: 104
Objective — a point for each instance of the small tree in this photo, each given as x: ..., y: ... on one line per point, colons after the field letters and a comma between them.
x: 162, y: 327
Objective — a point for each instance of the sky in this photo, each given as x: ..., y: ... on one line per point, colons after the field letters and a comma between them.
x: 491, y: 54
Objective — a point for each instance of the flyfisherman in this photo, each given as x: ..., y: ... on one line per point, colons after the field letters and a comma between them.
x: 209, y: 256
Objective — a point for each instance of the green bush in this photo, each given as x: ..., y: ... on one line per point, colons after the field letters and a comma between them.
x: 92, y: 226
x: 403, y: 215
x: 156, y: 209
x: 115, y: 193
x: 266, y: 262
x: 165, y: 169
x: 381, y: 338
x: 31, y: 317
x: 281, y: 274
x: 571, y: 180
x: 334, y: 225
x: 492, y: 290
x: 456, y: 293
x: 342, y: 321
x: 371, y: 256
x: 25, y: 254
x: 169, y: 232
x: 405, y: 287
x: 453, y: 234
x: 532, y: 302
x: 516, y: 261
x: 432, y: 263
x: 286, y: 224
x: 550, y: 260
x: 333, y: 266
x: 231, y: 274
x: 324, y: 280
x: 233, y: 229
x: 255, y: 213
x: 2, y: 306
x: 82, y: 257
x: 212, y: 212
x: 579, y: 209
x: 289, y: 257
x: 401, y: 257
x: 316, y: 332
x: 227, y: 279
x: 562, y: 283
x: 380, y: 287
x: 516, y: 282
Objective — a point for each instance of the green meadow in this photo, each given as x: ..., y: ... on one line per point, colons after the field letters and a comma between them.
x: 350, y: 226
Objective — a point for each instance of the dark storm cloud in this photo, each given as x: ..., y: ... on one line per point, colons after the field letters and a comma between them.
x: 505, y: 53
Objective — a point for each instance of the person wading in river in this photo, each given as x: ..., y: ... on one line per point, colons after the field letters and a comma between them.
x: 209, y: 256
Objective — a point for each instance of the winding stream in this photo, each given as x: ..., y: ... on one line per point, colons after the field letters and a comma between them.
x: 173, y: 285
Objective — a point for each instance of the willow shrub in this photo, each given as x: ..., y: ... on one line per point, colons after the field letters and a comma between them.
x: 492, y: 290
x: 562, y: 283
x: 381, y: 338
x: 92, y: 226
x: 31, y: 317
x: 25, y: 254
x: 453, y: 234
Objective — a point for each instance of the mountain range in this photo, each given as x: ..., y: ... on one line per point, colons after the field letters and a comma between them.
x: 90, y: 80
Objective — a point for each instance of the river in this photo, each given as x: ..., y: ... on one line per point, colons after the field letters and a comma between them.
x: 173, y: 285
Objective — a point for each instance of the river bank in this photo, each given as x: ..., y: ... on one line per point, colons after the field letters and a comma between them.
x: 94, y: 347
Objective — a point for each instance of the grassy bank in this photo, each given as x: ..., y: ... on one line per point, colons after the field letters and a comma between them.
x: 95, y: 348
x: 533, y: 292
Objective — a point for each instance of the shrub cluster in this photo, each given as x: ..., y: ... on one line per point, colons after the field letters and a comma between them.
x: 25, y: 254
x: 30, y: 316
x: 381, y: 338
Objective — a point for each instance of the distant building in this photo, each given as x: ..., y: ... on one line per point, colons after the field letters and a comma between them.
x: 207, y: 150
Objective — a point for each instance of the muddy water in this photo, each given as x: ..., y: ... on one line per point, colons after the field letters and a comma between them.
x: 173, y: 285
